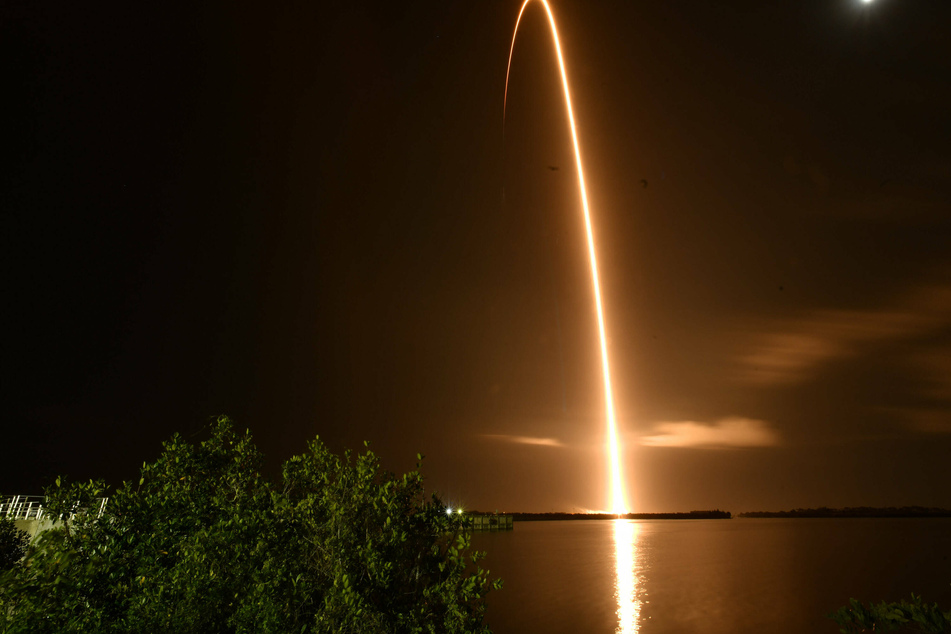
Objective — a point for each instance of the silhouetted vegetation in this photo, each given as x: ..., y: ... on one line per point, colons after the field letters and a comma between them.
x: 858, y: 511
x: 204, y: 544
x: 13, y: 543
x: 903, y: 616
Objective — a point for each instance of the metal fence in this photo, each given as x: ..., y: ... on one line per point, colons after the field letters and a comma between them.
x: 22, y: 507
x: 30, y: 507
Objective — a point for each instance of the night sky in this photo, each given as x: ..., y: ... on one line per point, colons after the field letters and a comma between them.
x: 304, y: 215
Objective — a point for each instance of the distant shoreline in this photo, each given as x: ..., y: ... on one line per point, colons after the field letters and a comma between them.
x: 821, y: 512
x: 692, y: 515
x: 852, y: 512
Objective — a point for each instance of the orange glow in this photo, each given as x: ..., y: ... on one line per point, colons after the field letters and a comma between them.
x: 626, y: 590
x: 617, y: 500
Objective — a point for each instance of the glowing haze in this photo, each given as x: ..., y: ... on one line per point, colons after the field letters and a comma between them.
x: 617, y: 501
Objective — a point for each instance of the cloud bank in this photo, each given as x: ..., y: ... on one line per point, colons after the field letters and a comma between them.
x: 723, y: 434
x: 525, y: 440
x: 790, y: 351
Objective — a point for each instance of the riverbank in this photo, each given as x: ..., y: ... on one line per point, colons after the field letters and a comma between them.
x: 692, y: 515
x: 857, y: 511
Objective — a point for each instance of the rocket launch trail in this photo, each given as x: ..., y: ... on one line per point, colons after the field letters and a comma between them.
x: 617, y: 499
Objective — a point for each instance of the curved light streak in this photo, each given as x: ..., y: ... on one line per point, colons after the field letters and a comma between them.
x: 617, y: 497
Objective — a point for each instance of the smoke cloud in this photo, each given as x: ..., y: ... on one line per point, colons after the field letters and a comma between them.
x: 723, y: 434
x: 525, y: 440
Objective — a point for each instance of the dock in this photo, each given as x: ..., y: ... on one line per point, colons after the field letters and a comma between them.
x: 480, y: 522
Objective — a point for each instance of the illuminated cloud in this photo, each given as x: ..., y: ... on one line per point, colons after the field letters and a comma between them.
x: 725, y: 433
x: 525, y: 440
x: 933, y: 414
x: 934, y: 363
x: 789, y: 351
x: 928, y: 421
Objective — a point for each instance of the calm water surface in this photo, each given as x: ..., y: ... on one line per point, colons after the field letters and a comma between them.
x: 708, y: 576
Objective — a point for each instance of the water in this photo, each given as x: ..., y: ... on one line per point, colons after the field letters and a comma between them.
x: 708, y: 576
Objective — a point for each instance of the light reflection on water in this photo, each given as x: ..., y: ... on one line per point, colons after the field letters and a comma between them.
x: 741, y: 576
x: 627, y: 576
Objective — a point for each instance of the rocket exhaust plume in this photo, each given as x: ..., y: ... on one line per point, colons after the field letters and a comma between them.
x: 617, y: 500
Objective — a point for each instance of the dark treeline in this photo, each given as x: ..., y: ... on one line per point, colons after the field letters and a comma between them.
x: 692, y: 515
x: 857, y: 511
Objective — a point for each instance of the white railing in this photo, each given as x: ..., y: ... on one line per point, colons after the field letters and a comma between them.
x: 30, y: 507
x: 22, y: 507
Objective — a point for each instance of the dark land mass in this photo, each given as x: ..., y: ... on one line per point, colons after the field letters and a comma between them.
x: 692, y: 515
x: 858, y: 511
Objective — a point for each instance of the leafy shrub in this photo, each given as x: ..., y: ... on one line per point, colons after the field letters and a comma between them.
x: 203, y: 543
x: 904, y: 616
x: 13, y: 543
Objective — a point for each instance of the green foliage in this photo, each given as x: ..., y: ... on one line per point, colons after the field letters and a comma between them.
x: 13, y: 543
x: 203, y: 543
x: 904, y: 616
